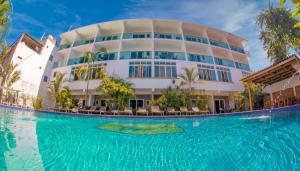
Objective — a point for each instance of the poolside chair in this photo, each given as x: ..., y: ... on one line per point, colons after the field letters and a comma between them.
x: 156, y: 111
x: 142, y: 111
x: 196, y: 110
x: 103, y: 110
x: 93, y: 110
x: 126, y: 111
x: 184, y: 110
x: 172, y: 111
x: 75, y: 110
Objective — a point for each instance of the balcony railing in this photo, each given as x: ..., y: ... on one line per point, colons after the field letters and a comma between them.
x: 219, y: 44
x: 196, y: 39
x: 168, y: 36
x: 83, y: 42
x: 137, y: 35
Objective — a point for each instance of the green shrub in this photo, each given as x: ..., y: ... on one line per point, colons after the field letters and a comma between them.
x: 202, y: 103
x: 37, y: 103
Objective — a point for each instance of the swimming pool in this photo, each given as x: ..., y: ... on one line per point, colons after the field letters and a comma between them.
x: 44, y: 141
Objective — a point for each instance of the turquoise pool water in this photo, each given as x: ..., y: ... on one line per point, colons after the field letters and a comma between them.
x: 41, y: 141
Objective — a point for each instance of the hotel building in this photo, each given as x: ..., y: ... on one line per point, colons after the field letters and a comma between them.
x: 150, y: 54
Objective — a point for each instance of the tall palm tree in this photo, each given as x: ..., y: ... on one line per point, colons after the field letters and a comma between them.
x: 55, y: 86
x: 277, y: 32
x: 90, y: 58
x: 9, y: 76
x: 5, y: 17
x: 189, y: 77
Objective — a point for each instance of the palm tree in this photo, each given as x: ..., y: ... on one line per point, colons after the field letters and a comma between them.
x: 90, y: 58
x: 9, y: 76
x: 278, y: 33
x: 55, y: 86
x: 189, y: 77
x: 5, y: 13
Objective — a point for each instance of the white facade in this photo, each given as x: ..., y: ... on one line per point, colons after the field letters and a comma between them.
x: 166, y: 41
x: 34, y: 60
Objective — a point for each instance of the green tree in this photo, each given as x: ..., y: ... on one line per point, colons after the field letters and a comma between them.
x: 37, y: 103
x: 277, y: 32
x: 117, y: 90
x: 5, y: 18
x: 55, y: 87
x: 189, y: 77
x: 65, y: 98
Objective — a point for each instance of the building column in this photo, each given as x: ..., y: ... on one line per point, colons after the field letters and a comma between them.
x: 90, y: 100
x: 250, y: 96
x: 213, y: 104
x: 271, y: 96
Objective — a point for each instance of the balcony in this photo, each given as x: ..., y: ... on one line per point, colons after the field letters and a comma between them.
x: 108, y: 37
x: 137, y: 35
x: 219, y: 44
x: 237, y: 49
x: 196, y: 39
x: 83, y: 42
x: 64, y: 46
x: 167, y: 36
x: 169, y: 55
x: 200, y: 58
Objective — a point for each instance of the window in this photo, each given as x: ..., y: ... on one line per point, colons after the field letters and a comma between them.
x: 224, y: 74
x: 139, y: 69
x: 76, y: 60
x: 108, y: 37
x: 83, y: 42
x: 94, y: 70
x: 201, y: 58
x: 237, y: 49
x: 51, y: 58
x: 219, y: 44
x: 136, y: 55
x: 169, y: 55
x: 165, y: 70
x: 45, y: 79
x: 19, y: 57
x: 225, y: 62
x: 196, y: 39
x: 64, y: 46
x: 167, y: 36
x: 106, y: 56
x: 242, y: 66
x: 244, y: 73
x: 136, y: 35
x: 206, y: 72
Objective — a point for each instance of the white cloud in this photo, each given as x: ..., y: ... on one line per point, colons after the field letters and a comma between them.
x: 235, y: 16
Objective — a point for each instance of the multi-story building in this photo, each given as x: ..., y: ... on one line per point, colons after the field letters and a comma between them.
x: 33, y: 58
x: 151, y: 53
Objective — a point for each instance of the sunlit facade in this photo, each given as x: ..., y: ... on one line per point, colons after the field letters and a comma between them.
x: 151, y: 54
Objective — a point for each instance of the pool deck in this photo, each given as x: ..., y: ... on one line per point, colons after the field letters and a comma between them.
x: 256, y: 112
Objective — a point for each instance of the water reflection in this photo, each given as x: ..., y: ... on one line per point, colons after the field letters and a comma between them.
x: 18, y: 140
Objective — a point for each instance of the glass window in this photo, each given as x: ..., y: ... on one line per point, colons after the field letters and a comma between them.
x: 64, y: 46
x: 165, y: 70
x: 83, y: 42
x: 200, y: 58
x: 224, y: 74
x: 219, y: 44
x: 93, y: 71
x: 237, y: 49
x: 45, y: 79
x: 168, y: 36
x: 103, y: 38
x: 225, y: 62
x: 196, y: 39
x: 139, y: 69
x: 136, y: 55
x: 106, y: 56
x: 136, y: 35
x: 170, y: 55
x: 206, y: 72
x: 242, y: 66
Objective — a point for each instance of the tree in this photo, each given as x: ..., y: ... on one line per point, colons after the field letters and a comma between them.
x: 55, y: 87
x: 85, y: 72
x: 117, y: 90
x: 65, y: 98
x: 5, y: 17
x: 37, y: 103
x: 277, y: 32
x: 189, y: 77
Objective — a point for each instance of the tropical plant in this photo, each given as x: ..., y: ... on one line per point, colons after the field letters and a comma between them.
x: 37, y: 103
x: 189, y: 77
x: 296, y: 12
x: 202, y: 102
x: 65, y: 99
x: 85, y: 72
x: 239, y: 101
x: 277, y: 32
x: 256, y: 93
x: 116, y: 90
x: 9, y: 76
x: 55, y: 87
x: 5, y: 17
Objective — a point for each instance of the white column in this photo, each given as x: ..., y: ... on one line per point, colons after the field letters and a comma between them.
x: 90, y: 100
x: 213, y: 104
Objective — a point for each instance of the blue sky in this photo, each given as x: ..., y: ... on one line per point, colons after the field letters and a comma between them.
x: 56, y: 16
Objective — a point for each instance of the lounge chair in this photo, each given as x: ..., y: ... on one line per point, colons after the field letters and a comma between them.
x: 184, y: 110
x: 126, y: 111
x: 142, y: 111
x: 74, y: 110
x: 93, y: 110
x: 172, y: 111
x: 103, y: 110
x: 114, y: 112
x: 156, y: 111
x: 196, y: 110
